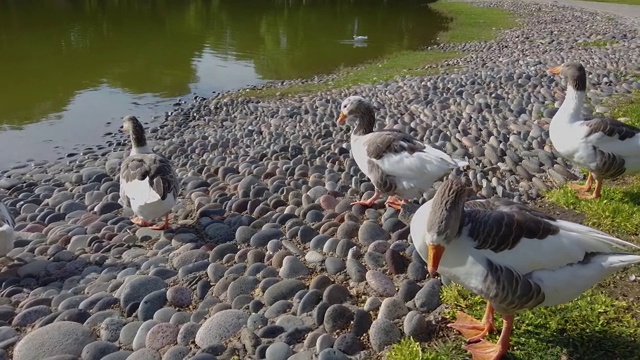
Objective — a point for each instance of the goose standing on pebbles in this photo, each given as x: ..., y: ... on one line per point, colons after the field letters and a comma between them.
x: 148, y: 183
x: 396, y: 162
x: 516, y: 258
x: 607, y: 148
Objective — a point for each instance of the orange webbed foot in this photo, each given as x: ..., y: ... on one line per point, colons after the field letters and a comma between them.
x: 581, y: 188
x: 586, y: 196
x: 138, y: 221
x: 163, y: 226
x: 395, y: 202
x: 472, y: 329
x: 485, y: 350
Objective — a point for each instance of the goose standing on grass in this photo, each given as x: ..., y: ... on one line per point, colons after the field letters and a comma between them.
x: 607, y: 148
x: 7, y: 234
x: 514, y: 258
x: 394, y: 161
x: 148, y: 183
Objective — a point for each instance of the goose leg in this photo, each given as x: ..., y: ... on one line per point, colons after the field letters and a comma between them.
x: 164, y: 225
x: 370, y: 202
x: 396, y: 202
x: 138, y: 221
x: 597, y: 192
x: 485, y: 350
x: 583, y: 188
x: 472, y: 329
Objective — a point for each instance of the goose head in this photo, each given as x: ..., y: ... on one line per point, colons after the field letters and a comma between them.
x: 360, y: 108
x: 574, y: 74
x: 444, y: 220
x: 133, y: 126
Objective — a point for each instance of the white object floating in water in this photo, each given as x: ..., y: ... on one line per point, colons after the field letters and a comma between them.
x: 359, y: 38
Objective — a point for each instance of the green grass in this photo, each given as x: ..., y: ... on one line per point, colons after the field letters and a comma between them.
x: 471, y: 23
x: 404, y: 63
x: 597, y: 43
x: 627, y: 107
x: 630, y: 2
x: 617, y: 212
x: 594, y: 326
x: 468, y: 23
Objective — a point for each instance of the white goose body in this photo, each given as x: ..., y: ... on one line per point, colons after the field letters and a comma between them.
x: 553, y: 263
x: 573, y: 138
x: 395, y: 162
x: 413, y: 173
x: 148, y: 182
x: 145, y: 201
x: 513, y: 256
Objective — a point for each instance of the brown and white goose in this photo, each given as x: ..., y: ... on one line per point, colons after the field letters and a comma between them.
x: 607, y: 148
x: 148, y: 183
x: 515, y: 258
x: 396, y: 163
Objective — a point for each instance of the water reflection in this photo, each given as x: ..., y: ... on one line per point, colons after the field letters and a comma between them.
x: 51, y: 52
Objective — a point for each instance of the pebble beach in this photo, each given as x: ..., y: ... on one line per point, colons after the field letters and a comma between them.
x: 266, y: 258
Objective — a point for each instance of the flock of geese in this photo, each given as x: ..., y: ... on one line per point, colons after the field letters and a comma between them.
x: 515, y: 257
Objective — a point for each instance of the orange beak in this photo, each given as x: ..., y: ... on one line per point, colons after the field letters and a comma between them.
x: 433, y: 261
x: 555, y: 70
x: 342, y: 118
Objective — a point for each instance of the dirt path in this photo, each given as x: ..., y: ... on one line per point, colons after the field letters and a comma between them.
x: 624, y: 10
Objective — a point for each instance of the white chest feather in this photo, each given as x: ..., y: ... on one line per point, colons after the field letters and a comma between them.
x: 359, y: 153
x: 567, y: 133
x: 7, y: 237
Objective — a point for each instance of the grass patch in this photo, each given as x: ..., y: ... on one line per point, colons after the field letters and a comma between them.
x: 627, y: 107
x: 629, y: 2
x: 468, y: 23
x: 471, y: 23
x: 409, y: 349
x: 404, y: 63
x: 597, y: 43
x: 594, y: 326
x: 617, y: 212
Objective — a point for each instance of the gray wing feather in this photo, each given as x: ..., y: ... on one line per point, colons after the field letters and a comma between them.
x: 156, y: 168
x: 501, y: 204
x: 391, y: 141
x: 502, y: 230
x: 6, y: 215
x: 611, y: 128
x: 608, y: 165
x: 508, y: 291
x: 386, y: 184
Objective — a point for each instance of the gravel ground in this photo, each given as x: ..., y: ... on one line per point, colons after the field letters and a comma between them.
x: 625, y: 11
x: 266, y: 258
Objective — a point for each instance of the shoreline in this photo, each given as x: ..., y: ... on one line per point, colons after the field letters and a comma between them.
x: 266, y: 257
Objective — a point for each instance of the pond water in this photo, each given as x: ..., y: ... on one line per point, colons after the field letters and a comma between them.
x: 71, y: 69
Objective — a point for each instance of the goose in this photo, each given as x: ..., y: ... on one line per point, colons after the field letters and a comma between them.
x: 148, y: 182
x: 7, y: 233
x: 395, y: 162
x: 606, y: 147
x: 514, y: 257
